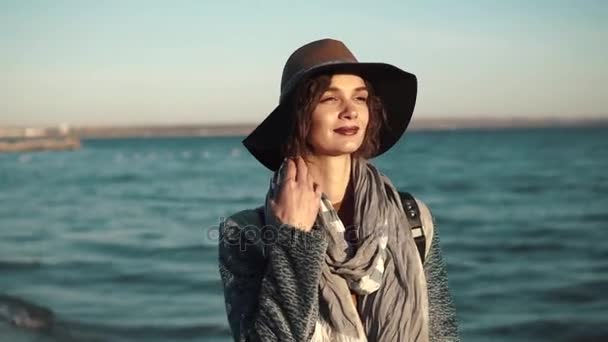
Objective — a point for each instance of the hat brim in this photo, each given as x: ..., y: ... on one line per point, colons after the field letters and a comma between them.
x: 396, y: 88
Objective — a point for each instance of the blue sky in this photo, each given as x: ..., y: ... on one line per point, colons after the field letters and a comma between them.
x: 157, y: 62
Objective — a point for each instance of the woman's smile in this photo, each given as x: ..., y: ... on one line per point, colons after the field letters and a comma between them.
x: 347, y: 130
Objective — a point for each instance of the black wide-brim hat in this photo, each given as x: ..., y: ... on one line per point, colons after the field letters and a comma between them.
x: 396, y: 89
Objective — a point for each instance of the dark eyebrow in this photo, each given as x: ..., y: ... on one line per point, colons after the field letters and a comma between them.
x: 337, y: 89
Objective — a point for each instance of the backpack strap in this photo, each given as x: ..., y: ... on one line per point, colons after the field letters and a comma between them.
x: 412, y: 212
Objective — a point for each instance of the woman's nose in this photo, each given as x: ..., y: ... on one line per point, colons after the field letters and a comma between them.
x: 349, y: 111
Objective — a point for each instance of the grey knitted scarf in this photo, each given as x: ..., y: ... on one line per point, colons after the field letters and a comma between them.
x: 384, y: 268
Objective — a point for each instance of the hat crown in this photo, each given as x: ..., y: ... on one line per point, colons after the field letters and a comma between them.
x: 311, y: 55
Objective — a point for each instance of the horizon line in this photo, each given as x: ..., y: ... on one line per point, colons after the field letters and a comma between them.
x: 438, y: 120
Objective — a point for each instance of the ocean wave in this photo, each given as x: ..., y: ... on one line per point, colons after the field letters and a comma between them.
x: 20, y: 265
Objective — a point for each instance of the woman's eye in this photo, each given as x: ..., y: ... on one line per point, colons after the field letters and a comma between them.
x: 328, y: 99
x: 362, y: 98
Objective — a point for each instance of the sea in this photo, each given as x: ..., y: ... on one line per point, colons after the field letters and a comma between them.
x: 119, y: 238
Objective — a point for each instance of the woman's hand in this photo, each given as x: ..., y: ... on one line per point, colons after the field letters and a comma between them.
x: 296, y: 201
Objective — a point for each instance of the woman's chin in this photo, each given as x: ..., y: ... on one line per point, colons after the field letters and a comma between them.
x: 337, y: 148
x: 344, y: 150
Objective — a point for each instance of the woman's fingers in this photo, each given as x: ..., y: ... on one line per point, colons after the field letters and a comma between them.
x: 273, y: 204
x: 298, y: 202
x: 302, y: 173
x: 290, y: 171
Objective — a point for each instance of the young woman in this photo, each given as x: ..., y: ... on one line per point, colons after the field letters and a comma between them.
x: 330, y: 256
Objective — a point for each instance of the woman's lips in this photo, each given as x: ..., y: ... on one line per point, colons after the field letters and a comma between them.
x: 352, y: 130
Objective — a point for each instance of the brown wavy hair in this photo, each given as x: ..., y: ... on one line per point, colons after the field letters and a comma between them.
x: 303, y: 102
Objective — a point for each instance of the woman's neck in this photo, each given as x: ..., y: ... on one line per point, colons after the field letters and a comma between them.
x: 332, y: 173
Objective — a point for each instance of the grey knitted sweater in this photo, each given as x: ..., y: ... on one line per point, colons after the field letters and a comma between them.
x: 271, y: 280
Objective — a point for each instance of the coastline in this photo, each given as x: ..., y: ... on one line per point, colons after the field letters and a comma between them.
x: 219, y: 130
x: 40, y: 144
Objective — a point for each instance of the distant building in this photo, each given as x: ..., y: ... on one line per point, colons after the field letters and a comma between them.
x: 34, y: 132
x: 64, y: 129
x: 11, y: 132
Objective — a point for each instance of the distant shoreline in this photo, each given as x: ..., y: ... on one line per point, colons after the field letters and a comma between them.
x: 194, y: 130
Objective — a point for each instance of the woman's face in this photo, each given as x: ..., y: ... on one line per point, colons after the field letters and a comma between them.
x: 340, y: 118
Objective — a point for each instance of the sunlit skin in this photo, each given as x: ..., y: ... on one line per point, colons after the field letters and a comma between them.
x: 343, y: 104
x: 327, y: 168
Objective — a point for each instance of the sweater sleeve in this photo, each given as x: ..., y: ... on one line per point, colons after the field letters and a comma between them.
x: 442, y: 314
x: 270, y: 277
